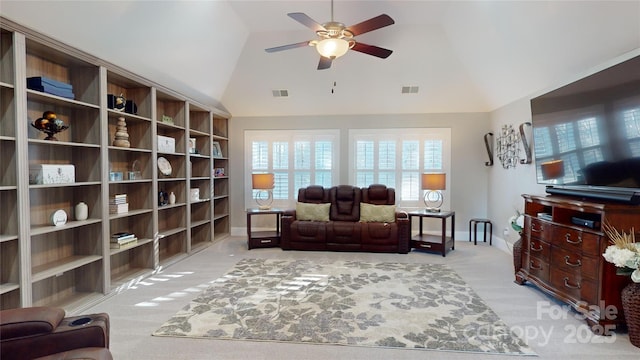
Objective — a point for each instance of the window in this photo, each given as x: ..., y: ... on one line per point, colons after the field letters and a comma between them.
x: 397, y: 158
x: 297, y: 158
x: 578, y: 141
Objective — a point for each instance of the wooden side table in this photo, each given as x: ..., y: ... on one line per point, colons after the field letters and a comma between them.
x: 263, y: 239
x: 433, y: 243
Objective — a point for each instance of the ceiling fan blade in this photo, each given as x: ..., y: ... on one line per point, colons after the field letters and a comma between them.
x: 305, y: 20
x: 375, y: 23
x: 372, y: 50
x: 324, y: 63
x: 287, y: 47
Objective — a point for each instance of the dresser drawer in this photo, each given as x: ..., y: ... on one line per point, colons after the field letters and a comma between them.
x: 539, y: 249
x: 537, y: 268
x: 574, y: 286
x: 574, y: 262
x: 539, y: 229
x: 576, y: 240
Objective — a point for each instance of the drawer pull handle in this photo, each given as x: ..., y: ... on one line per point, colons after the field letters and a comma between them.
x: 533, y: 248
x: 566, y: 284
x: 568, y: 238
x: 576, y: 264
x: 534, y: 267
x: 265, y: 241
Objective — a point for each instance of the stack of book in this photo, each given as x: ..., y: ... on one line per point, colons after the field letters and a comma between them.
x: 118, y: 204
x: 123, y: 239
x: 51, y: 86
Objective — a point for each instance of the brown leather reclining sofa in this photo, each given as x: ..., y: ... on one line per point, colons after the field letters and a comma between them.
x: 344, y: 230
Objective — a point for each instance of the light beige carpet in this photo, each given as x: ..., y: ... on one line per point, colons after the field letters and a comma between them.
x: 394, y: 305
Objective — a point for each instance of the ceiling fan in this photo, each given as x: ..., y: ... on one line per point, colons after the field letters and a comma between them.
x: 335, y: 39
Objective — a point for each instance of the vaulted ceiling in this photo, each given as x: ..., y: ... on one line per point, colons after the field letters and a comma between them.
x: 464, y: 56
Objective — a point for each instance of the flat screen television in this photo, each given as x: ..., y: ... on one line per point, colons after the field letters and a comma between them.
x: 586, y: 135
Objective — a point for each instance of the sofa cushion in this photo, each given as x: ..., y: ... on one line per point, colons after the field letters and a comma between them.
x: 312, y: 212
x: 379, y: 195
x: 377, y: 213
x: 345, y: 200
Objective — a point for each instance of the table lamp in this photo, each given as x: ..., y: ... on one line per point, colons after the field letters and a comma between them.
x: 553, y: 169
x: 264, y: 183
x: 433, y: 183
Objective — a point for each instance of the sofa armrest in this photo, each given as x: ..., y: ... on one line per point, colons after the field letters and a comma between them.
x: 70, y: 333
x: 288, y: 217
x: 402, y: 215
x: 30, y: 321
x: 404, y: 230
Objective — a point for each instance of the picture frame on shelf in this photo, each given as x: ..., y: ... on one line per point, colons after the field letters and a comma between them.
x: 192, y: 146
x: 216, y: 149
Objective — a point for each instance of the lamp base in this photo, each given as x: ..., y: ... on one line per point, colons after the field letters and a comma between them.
x: 264, y: 207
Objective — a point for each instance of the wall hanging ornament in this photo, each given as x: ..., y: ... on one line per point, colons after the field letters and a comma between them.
x: 488, y: 143
x: 525, y: 144
x: 507, y: 149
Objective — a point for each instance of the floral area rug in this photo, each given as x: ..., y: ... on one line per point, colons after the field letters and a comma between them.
x: 394, y: 305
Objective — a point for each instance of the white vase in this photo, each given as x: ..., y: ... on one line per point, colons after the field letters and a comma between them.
x: 172, y: 198
x: 81, y: 211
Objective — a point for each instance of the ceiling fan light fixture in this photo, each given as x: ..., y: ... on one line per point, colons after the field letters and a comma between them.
x: 333, y: 48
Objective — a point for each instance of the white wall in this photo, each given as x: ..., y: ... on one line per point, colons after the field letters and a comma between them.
x: 506, y: 186
x: 467, y: 196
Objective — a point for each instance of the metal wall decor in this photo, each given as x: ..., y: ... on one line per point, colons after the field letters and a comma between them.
x: 507, y: 149
x: 488, y: 143
x: 525, y: 144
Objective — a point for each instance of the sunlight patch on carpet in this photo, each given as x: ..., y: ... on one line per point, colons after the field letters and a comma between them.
x: 394, y: 305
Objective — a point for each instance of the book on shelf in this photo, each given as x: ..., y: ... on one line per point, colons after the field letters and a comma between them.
x: 118, y: 199
x: 122, y: 236
x: 118, y: 208
x: 122, y: 245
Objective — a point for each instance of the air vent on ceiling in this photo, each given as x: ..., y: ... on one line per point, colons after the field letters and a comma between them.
x: 409, y: 89
x: 280, y: 93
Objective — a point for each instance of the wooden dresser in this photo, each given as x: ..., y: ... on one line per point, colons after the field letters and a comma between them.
x: 562, y: 246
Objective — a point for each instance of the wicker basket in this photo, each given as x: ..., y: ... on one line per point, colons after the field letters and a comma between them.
x: 631, y: 307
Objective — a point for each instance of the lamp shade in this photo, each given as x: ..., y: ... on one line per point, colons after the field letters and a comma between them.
x: 434, y: 181
x: 262, y: 181
x: 552, y: 169
x: 332, y: 48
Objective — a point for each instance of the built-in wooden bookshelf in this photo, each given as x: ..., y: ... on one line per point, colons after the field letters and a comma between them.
x: 73, y: 265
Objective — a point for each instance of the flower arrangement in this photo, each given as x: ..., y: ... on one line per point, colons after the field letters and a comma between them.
x: 517, y: 221
x: 624, y: 252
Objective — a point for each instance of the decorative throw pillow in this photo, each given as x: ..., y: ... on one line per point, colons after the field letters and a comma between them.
x: 377, y: 213
x: 312, y: 212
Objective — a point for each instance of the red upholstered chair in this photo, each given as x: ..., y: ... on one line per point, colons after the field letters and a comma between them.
x: 37, y: 332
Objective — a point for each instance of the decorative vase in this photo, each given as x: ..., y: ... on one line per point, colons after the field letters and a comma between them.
x: 631, y: 305
x: 81, y: 211
x: 172, y: 198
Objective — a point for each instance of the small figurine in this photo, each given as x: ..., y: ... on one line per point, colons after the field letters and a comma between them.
x: 120, y: 103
